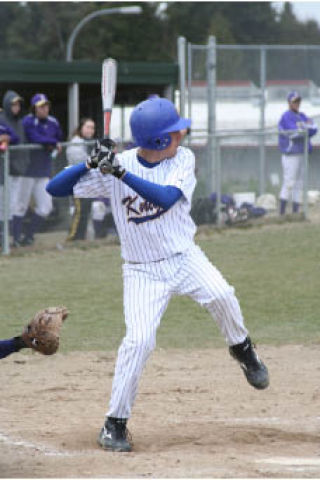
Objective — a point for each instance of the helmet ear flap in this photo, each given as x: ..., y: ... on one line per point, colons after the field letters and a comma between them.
x: 160, y: 143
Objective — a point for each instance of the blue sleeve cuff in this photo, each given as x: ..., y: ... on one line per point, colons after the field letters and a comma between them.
x: 164, y: 196
x: 62, y: 184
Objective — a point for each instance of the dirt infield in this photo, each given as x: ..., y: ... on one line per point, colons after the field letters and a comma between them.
x: 195, y: 416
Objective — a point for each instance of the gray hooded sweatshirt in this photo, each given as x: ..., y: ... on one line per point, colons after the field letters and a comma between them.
x: 20, y: 159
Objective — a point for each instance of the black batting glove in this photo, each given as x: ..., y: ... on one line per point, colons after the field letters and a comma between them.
x: 108, y: 162
x: 100, y: 150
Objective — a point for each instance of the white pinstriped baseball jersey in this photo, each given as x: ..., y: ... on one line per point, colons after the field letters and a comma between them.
x: 147, y: 232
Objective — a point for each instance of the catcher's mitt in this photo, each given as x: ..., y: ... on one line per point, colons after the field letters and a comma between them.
x: 42, y: 332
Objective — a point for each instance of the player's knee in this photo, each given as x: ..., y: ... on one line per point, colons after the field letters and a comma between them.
x: 98, y: 211
x: 221, y: 299
x: 43, y: 210
x: 289, y: 184
x: 20, y: 210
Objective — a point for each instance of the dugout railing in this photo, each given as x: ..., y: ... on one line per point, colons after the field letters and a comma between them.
x: 234, y: 168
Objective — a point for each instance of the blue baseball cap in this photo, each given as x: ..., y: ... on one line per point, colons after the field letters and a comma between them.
x: 39, y: 99
x: 293, y: 96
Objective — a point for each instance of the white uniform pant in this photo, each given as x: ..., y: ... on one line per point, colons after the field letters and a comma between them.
x: 293, y: 171
x: 27, y: 187
x: 148, y: 288
x: 99, y: 210
x: 12, y: 190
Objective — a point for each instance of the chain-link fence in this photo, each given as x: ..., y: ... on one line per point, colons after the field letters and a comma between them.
x: 251, y: 83
x: 67, y: 221
x: 244, y: 87
x: 233, y: 195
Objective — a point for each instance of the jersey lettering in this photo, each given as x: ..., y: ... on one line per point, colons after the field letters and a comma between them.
x: 137, y: 215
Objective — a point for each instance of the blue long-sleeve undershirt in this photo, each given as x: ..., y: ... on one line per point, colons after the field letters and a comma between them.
x: 161, y: 195
x: 164, y: 196
x: 62, y: 184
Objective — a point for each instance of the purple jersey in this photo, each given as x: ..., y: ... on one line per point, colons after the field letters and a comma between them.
x: 293, y: 143
x: 6, y: 130
x: 46, y: 132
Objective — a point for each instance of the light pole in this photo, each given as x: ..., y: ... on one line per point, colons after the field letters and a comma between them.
x: 73, y: 90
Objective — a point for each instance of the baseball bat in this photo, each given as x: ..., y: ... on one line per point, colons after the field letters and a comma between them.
x: 108, y: 91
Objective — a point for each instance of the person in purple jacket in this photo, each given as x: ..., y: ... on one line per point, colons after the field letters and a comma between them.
x: 7, y: 135
x: 44, y: 129
x: 291, y: 146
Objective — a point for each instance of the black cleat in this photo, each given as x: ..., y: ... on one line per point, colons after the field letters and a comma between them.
x: 113, y: 435
x: 254, y: 369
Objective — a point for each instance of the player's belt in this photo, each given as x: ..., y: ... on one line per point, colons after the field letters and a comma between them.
x: 154, y: 261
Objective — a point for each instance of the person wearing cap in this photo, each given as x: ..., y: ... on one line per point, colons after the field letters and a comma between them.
x: 150, y: 188
x: 291, y: 146
x: 44, y: 129
x: 11, y: 117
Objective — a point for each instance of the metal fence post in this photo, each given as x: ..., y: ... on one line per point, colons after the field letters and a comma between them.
x: 211, y: 76
x: 306, y: 174
x: 262, y: 180
x: 73, y: 107
x: 123, y: 123
x: 189, y: 85
x: 218, y: 179
x: 182, y: 73
x: 6, y: 205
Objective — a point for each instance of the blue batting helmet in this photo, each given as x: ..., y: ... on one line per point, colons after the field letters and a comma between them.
x: 152, y: 121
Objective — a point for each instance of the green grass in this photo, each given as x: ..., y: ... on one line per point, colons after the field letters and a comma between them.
x: 274, y: 269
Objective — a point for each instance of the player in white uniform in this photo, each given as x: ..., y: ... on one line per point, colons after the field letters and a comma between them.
x: 151, y: 188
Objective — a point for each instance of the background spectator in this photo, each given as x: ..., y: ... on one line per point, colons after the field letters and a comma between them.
x: 44, y: 129
x: 102, y: 218
x: 11, y: 115
x: 77, y: 152
x: 292, y: 149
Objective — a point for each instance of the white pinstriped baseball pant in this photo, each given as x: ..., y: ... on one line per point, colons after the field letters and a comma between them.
x: 148, y: 288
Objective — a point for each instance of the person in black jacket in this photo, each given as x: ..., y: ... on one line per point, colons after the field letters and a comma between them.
x: 11, y: 115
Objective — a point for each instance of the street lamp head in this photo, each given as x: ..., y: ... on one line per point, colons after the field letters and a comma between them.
x: 131, y: 10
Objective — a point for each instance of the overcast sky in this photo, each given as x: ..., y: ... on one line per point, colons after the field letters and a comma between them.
x: 304, y: 10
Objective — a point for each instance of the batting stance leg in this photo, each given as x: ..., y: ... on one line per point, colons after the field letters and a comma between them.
x: 205, y: 284
x: 147, y: 291
x: 145, y: 301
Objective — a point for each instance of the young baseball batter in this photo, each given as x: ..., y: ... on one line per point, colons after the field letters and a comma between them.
x: 151, y: 188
